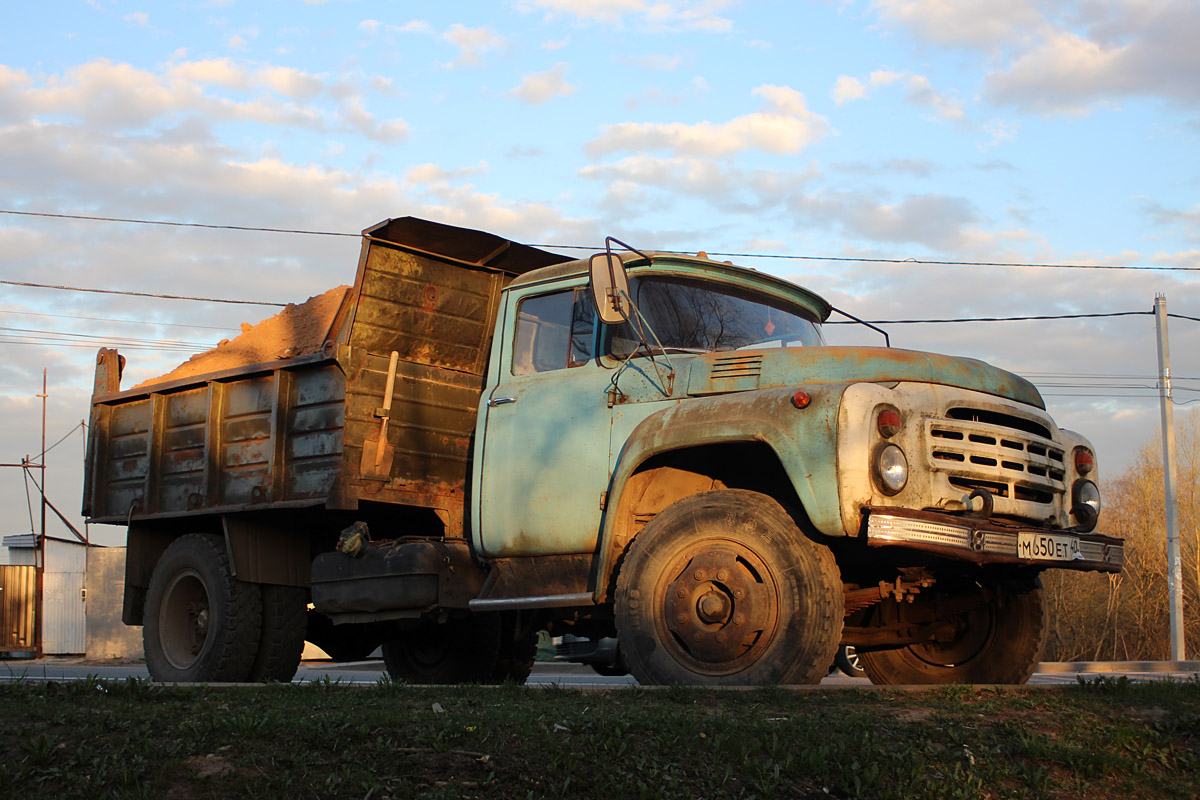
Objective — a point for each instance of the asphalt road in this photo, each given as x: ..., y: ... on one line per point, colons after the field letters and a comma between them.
x: 556, y: 674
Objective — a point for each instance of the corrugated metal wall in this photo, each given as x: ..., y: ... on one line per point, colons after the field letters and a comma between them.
x: 64, y: 626
x: 18, y: 623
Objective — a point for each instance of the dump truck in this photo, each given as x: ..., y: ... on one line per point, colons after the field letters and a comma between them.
x: 490, y: 439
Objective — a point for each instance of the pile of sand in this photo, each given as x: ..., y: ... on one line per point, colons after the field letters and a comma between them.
x: 297, y: 330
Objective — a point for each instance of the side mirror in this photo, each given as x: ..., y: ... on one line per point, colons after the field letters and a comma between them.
x: 610, y: 287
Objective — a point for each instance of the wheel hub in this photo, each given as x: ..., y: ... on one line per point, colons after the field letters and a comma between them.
x: 184, y: 619
x: 720, y: 605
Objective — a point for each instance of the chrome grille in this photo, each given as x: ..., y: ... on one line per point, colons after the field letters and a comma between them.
x: 999, y: 454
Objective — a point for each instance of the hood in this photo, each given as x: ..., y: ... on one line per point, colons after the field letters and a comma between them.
x: 743, y: 370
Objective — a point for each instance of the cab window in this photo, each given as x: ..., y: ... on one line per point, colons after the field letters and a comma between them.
x: 692, y: 316
x: 554, y: 331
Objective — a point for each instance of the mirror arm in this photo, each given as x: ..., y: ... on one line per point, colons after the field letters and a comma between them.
x: 610, y: 240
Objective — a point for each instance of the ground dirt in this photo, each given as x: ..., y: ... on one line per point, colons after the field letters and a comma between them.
x: 295, y: 331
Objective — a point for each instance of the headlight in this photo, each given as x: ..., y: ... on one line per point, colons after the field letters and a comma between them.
x: 1085, y: 504
x: 891, y: 469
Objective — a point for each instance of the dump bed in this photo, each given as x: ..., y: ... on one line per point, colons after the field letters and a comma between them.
x: 304, y: 431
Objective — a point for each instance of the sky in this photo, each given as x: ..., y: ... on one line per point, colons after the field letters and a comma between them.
x: 1017, y: 133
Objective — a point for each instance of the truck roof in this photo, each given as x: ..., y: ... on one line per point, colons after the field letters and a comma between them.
x: 699, y: 265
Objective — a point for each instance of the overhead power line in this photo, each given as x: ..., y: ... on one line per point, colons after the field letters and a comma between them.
x: 779, y: 256
x: 120, y: 320
x: 178, y: 224
x: 29, y: 285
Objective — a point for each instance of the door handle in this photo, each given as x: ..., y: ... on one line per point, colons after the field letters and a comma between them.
x: 500, y: 401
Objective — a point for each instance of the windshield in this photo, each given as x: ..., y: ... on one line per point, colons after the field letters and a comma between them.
x: 694, y: 316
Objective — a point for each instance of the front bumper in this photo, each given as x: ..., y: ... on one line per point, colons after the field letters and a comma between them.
x: 985, y: 541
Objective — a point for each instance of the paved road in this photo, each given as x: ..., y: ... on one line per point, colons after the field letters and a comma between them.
x: 550, y: 673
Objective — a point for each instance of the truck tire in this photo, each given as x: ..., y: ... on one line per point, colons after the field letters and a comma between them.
x: 515, y: 659
x: 460, y: 650
x: 722, y: 587
x: 281, y: 643
x: 1001, y: 643
x: 201, y: 624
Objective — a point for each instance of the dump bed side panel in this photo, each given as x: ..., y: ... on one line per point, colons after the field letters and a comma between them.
x: 243, y: 442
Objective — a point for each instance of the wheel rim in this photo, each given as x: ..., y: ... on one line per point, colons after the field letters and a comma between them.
x: 184, y: 620
x: 721, y: 607
x: 973, y: 635
x: 427, y: 650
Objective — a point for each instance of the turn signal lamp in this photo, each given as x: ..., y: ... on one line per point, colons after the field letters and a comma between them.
x: 801, y: 399
x: 888, y: 422
x: 1085, y: 462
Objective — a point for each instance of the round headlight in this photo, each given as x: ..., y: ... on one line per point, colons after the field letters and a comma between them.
x: 891, y: 469
x: 1085, y: 504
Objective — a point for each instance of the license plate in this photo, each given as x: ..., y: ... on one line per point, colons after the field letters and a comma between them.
x: 1047, y: 547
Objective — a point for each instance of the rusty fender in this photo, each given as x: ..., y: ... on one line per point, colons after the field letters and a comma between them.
x: 804, y: 440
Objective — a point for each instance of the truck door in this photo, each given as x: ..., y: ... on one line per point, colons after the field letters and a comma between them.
x: 545, y: 429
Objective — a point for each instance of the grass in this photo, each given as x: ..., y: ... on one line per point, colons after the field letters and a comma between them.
x: 1103, y: 738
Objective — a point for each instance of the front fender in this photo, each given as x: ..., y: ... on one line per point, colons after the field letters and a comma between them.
x: 804, y: 440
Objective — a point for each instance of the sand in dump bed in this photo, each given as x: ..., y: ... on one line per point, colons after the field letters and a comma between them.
x: 297, y: 330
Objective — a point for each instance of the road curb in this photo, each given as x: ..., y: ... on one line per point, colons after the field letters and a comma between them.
x: 1149, y: 667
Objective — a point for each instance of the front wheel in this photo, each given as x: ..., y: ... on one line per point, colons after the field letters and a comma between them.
x: 722, y: 587
x: 459, y: 650
x: 201, y: 623
x: 998, y: 639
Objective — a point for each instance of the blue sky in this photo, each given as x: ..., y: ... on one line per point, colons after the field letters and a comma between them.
x: 1015, y: 132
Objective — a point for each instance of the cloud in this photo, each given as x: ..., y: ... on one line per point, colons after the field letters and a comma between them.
x: 722, y: 185
x: 976, y: 23
x: 847, y: 89
x: 663, y: 15
x: 539, y: 87
x: 112, y: 96
x: 918, y: 91
x: 940, y: 222
x: 1068, y: 57
x: 657, y: 62
x: 472, y: 44
x: 373, y: 27
x: 1186, y: 219
x: 432, y: 173
x: 916, y: 167
x: 784, y: 126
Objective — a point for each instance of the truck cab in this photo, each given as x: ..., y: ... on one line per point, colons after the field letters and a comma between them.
x: 920, y: 474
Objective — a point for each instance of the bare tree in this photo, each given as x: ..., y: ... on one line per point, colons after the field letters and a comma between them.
x: 1124, y: 617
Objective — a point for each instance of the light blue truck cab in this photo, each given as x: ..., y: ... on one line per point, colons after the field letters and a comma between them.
x: 709, y: 481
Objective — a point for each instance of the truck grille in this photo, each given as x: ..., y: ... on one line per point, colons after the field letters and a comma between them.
x: 1010, y: 456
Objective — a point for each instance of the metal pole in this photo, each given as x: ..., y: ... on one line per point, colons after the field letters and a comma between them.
x: 1174, y: 557
x: 41, y: 549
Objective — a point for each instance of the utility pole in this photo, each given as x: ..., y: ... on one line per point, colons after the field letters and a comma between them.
x: 1170, y: 479
x: 40, y: 569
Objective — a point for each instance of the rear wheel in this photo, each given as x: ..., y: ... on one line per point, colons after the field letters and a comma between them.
x: 284, y: 612
x: 460, y: 650
x: 722, y: 587
x: 201, y: 623
x: 998, y: 639
x: 518, y: 646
